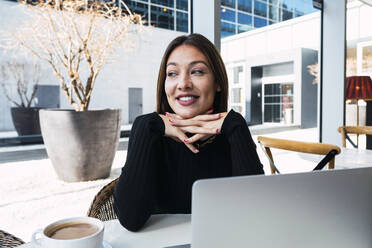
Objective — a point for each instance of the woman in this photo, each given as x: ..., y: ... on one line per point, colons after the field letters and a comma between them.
x: 189, y: 137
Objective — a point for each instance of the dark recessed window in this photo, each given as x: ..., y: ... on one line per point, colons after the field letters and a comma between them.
x: 245, y: 5
x: 274, y: 13
x: 182, y: 4
x: 162, y: 17
x: 286, y: 15
x: 244, y: 19
x: 227, y: 29
x: 182, y: 22
x: 259, y: 22
x: 168, y: 3
x: 228, y: 3
x: 260, y: 9
x: 138, y: 8
x: 227, y: 14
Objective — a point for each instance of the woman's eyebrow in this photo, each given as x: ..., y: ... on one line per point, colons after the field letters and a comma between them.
x: 172, y: 63
x: 198, y: 62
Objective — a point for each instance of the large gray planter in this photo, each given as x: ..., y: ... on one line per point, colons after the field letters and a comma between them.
x: 81, y: 145
x: 26, y: 120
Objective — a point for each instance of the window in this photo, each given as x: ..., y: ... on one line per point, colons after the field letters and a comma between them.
x: 182, y: 4
x: 259, y: 22
x: 227, y: 29
x: 243, y: 28
x: 274, y: 13
x: 168, y: 3
x: 286, y: 15
x: 228, y: 3
x: 244, y: 19
x: 162, y: 17
x: 227, y: 15
x: 236, y: 88
x: 278, y: 103
x: 245, y: 5
x: 182, y: 22
x: 260, y: 8
x: 139, y: 8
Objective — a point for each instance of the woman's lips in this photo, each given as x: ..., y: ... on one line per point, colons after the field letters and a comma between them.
x: 187, y: 100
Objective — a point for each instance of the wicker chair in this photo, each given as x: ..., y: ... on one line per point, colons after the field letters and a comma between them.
x: 102, y: 206
x: 8, y: 240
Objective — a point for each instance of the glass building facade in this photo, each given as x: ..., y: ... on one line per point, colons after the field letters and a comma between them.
x: 168, y: 14
x: 237, y: 16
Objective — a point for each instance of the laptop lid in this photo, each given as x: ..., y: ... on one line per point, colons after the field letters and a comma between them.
x: 317, y: 209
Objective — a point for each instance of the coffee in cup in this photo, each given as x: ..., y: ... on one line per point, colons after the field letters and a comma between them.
x: 76, y: 232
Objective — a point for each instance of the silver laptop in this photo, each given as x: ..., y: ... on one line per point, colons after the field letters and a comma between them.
x: 318, y: 209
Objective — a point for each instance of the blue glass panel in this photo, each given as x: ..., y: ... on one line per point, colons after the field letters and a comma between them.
x: 139, y: 8
x: 259, y: 22
x: 182, y: 22
x: 245, y: 5
x: 286, y: 15
x: 244, y: 19
x: 260, y: 8
x: 299, y: 13
x: 182, y: 4
x: 169, y: 3
x: 272, y: 22
x: 228, y: 3
x: 227, y: 14
x: 274, y: 2
x: 162, y: 17
x: 227, y: 29
x: 243, y: 28
x: 287, y: 4
x: 274, y: 13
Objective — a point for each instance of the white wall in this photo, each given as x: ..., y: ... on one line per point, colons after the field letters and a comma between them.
x: 137, y: 68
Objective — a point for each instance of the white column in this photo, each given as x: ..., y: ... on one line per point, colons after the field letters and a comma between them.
x: 206, y: 19
x: 333, y: 70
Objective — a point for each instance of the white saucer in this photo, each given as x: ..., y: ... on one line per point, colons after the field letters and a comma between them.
x: 105, y: 245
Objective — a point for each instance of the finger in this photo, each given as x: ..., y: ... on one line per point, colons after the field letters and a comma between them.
x: 197, y: 137
x: 199, y: 130
x: 183, y: 137
x: 173, y: 116
x: 184, y: 123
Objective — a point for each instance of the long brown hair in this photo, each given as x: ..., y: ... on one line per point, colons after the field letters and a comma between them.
x: 214, y: 61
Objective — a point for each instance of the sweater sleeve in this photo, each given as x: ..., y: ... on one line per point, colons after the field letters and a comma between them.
x: 244, y: 156
x: 135, y: 192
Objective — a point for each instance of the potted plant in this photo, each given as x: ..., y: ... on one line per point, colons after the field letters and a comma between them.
x: 77, y: 38
x: 26, y: 76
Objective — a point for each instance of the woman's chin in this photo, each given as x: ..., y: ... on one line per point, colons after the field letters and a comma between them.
x: 186, y: 115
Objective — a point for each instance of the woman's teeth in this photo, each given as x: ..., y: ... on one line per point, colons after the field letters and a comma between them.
x: 186, y: 98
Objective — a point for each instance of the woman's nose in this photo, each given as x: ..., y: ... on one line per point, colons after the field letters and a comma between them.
x: 184, y: 82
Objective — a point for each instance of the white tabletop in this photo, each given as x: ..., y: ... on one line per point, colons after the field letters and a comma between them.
x: 353, y: 158
x: 160, y: 231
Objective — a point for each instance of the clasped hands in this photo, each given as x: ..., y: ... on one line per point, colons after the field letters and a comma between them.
x: 201, y: 126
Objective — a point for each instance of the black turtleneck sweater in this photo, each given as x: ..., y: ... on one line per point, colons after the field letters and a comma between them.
x: 159, y: 172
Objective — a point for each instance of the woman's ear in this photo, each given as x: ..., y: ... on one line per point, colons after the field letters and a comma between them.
x: 218, y: 88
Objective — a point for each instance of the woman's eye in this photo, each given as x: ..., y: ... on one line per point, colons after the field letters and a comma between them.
x: 197, y: 72
x: 171, y: 74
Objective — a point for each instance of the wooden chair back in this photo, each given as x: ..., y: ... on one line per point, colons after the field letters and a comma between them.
x: 345, y: 130
x: 296, y: 146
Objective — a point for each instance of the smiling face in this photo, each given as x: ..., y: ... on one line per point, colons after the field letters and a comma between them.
x: 189, y: 83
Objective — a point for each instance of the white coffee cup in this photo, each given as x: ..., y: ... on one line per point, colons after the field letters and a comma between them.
x: 40, y: 237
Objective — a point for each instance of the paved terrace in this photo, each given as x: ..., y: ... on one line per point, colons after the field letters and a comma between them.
x: 32, y: 196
